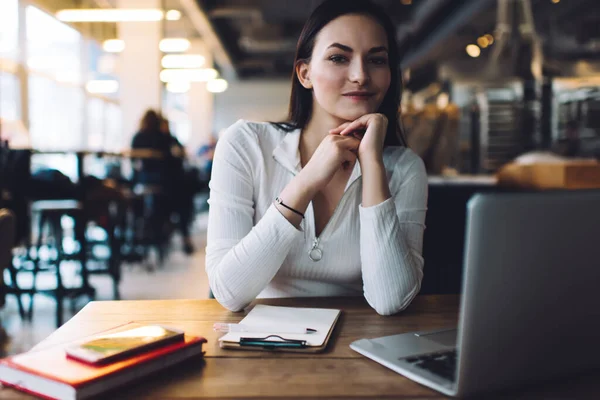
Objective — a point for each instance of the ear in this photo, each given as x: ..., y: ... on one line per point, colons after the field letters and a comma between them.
x: 303, y: 74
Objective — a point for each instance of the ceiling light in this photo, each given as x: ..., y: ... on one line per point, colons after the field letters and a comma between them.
x: 556, y: 1
x: 178, y: 87
x: 109, y: 15
x: 406, y: 2
x: 189, y: 75
x: 113, y: 45
x: 182, y: 61
x: 102, y: 86
x: 175, y: 45
x: 483, y: 42
x: 216, y: 85
x: 489, y: 38
x: 473, y: 50
x: 173, y: 15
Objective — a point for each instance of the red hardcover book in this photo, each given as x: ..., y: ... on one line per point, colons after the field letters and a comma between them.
x: 49, y: 373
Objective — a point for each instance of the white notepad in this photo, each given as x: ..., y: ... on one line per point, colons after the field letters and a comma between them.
x: 275, y: 320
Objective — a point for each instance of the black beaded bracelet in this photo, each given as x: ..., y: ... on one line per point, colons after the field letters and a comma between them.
x: 279, y: 201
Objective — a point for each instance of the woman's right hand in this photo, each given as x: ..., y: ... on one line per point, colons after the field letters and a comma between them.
x: 334, y: 152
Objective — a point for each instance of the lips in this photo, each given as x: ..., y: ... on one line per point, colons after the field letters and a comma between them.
x: 359, y: 96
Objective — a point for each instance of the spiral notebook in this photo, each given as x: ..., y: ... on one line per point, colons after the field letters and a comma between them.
x: 272, y: 323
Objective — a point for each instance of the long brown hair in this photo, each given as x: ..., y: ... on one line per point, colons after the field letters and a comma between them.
x: 301, y: 99
x: 150, y: 122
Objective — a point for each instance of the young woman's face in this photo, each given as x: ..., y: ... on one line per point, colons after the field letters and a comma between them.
x: 349, y: 69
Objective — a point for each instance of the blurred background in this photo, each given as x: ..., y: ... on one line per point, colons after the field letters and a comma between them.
x: 485, y: 81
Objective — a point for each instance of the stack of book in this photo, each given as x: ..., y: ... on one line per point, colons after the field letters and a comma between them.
x: 54, y: 373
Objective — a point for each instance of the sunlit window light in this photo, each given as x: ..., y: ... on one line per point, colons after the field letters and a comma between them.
x: 174, y: 45
x: 113, y: 45
x: 173, y: 15
x: 110, y: 15
x: 189, y: 75
x: 178, y: 87
x: 216, y: 85
x: 473, y: 50
x: 183, y: 61
x: 102, y: 86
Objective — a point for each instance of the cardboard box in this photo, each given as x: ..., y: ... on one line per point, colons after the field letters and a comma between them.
x: 555, y: 175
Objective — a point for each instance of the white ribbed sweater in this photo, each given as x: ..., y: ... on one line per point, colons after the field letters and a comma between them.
x: 253, y: 250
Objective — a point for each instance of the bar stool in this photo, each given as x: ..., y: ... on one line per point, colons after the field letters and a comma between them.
x: 50, y: 212
x: 7, y: 239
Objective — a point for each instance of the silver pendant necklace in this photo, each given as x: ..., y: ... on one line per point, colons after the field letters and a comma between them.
x: 315, y: 253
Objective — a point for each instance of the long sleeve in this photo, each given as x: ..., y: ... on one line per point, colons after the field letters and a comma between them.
x: 241, y: 259
x: 391, y: 241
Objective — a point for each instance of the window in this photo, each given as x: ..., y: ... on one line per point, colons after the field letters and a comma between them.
x: 102, y: 66
x: 9, y: 96
x: 53, y: 48
x: 179, y: 125
x: 175, y: 107
x: 9, y: 29
x: 95, y: 124
x: 55, y: 115
x: 113, y: 137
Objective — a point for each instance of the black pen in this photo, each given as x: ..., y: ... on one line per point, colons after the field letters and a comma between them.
x: 266, y: 343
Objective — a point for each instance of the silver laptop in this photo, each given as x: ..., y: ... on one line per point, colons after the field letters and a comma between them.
x: 530, y: 307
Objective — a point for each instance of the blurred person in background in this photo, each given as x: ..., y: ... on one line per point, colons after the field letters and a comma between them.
x: 163, y: 167
x: 180, y: 189
x: 152, y: 169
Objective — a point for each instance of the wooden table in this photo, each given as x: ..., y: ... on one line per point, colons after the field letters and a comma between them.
x: 337, y: 373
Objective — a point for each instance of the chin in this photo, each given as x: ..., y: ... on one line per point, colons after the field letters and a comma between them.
x: 353, y: 111
x: 353, y: 114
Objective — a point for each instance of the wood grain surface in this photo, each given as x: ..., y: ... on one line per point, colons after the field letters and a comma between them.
x: 338, y: 373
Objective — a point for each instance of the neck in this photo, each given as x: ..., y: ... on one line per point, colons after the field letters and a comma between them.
x: 315, y: 131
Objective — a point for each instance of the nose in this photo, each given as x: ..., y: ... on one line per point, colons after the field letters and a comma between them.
x: 359, y: 73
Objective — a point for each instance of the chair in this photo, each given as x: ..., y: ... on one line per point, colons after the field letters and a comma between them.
x: 50, y: 213
x: 7, y: 239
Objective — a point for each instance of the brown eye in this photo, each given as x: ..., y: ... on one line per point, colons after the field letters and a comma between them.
x: 379, y: 60
x: 337, y: 59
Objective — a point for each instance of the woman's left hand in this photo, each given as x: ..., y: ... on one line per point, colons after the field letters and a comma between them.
x: 371, y: 143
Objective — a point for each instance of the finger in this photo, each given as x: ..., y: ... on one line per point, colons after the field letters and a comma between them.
x: 362, y: 122
x: 339, y: 128
x: 359, y: 133
x: 349, y: 143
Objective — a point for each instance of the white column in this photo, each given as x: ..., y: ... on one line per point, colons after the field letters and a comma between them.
x: 139, y: 68
x: 201, y: 103
x: 22, y: 71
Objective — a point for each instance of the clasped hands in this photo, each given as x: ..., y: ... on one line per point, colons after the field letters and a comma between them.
x: 362, y: 138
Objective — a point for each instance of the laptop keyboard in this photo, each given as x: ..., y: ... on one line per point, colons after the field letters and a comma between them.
x: 442, y: 363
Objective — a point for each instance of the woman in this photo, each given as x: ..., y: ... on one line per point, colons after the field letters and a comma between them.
x: 314, y: 207
x: 151, y: 137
